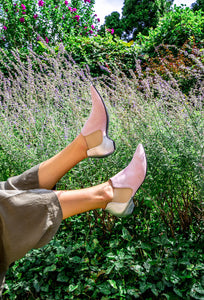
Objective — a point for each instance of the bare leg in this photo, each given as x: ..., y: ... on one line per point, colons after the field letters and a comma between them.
x: 92, y: 142
x: 56, y: 167
x: 115, y: 195
x: 79, y: 201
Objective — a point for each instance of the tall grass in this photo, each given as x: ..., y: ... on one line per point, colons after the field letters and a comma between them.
x: 44, y: 105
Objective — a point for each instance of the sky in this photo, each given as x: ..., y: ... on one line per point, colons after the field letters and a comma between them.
x: 106, y: 7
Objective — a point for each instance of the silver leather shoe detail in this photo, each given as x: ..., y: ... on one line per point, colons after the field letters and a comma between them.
x: 120, y: 209
x: 104, y: 149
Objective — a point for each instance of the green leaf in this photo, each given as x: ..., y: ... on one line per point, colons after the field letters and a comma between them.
x: 113, y: 283
x: 145, y: 246
x: 36, y: 285
x: 72, y: 287
x: 42, y: 45
x: 61, y: 277
x: 104, y: 289
x: 75, y: 259
x: 126, y: 235
x: 178, y: 292
x: 51, y: 268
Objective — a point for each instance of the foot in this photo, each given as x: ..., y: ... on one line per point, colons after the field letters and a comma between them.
x: 95, y: 130
x: 126, y: 183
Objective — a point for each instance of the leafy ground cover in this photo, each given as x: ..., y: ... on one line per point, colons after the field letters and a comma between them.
x: 157, y: 252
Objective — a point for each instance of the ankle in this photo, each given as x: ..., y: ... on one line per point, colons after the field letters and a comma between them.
x: 104, y: 194
x: 82, y: 144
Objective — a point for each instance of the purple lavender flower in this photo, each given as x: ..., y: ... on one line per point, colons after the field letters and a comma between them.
x: 22, y: 20
x: 35, y: 16
x: 23, y: 6
x: 47, y: 40
x: 66, y: 2
x: 4, y: 27
x: 92, y: 26
x: 74, y: 9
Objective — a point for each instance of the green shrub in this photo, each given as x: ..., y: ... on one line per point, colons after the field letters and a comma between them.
x: 181, y: 66
x: 107, y: 52
x: 174, y: 28
x: 99, y: 54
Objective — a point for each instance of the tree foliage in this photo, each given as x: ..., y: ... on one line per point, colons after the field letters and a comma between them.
x: 113, y: 21
x: 199, y: 4
x: 174, y: 28
x: 138, y: 16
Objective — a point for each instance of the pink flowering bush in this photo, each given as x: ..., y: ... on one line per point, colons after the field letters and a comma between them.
x: 77, y: 17
x: 110, y: 30
x: 26, y: 22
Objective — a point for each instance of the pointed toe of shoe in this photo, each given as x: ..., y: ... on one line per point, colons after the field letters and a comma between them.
x: 127, y: 182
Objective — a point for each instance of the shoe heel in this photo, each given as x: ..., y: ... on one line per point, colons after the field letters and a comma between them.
x: 120, y: 209
x: 106, y: 148
x: 129, y: 209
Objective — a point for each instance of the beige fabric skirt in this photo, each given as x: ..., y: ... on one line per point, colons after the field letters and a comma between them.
x: 29, y: 217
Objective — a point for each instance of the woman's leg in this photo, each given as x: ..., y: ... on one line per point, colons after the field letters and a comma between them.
x: 115, y: 195
x: 79, y: 201
x: 56, y: 167
x: 93, y: 141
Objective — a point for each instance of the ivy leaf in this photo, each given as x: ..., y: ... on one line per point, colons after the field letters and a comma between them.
x: 36, y: 285
x: 62, y: 277
x: 75, y: 259
x: 126, y: 235
x: 72, y: 287
x: 105, y: 289
x: 113, y: 283
x: 50, y: 269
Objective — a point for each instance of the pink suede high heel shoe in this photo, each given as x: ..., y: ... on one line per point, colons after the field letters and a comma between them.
x: 126, y: 183
x: 95, y: 130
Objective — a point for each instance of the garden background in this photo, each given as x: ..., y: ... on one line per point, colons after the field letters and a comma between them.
x: 148, y: 66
